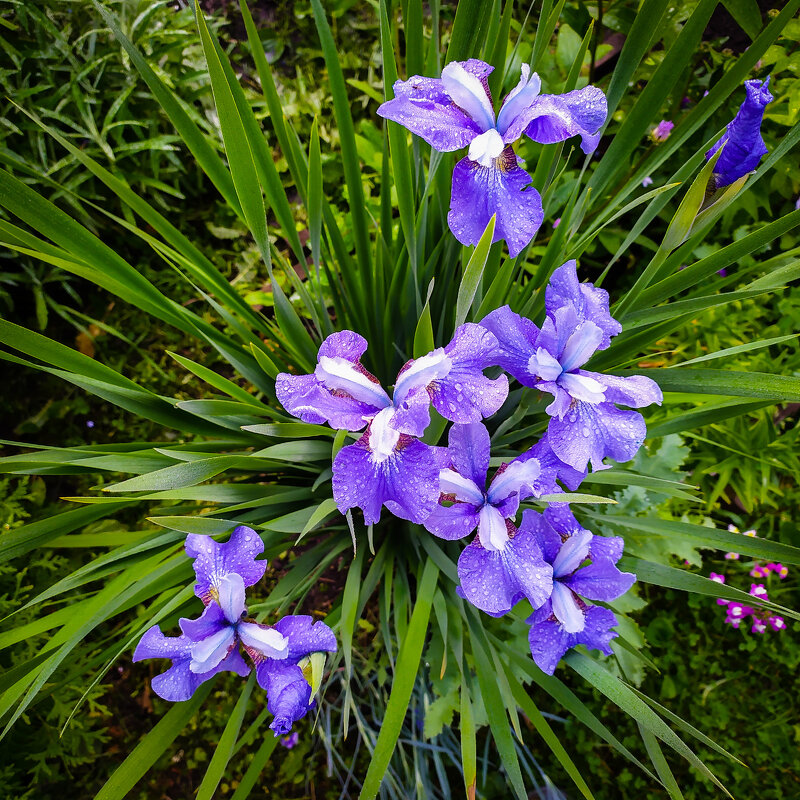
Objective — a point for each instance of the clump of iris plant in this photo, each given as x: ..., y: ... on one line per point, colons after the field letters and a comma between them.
x: 214, y: 641
x: 549, y: 560
x: 455, y: 111
x: 744, y: 147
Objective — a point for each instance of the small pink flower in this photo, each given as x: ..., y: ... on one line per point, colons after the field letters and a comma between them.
x: 556, y: 222
x: 776, y: 623
x: 758, y: 627
x: 732, y: 556
x: 648, y: 181
x: 716, y: 577
x: 662, y: 131
x: 758, y: 590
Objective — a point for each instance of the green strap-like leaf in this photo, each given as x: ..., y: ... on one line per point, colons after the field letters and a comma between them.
x: 152, y: 746
x: 405, y: 673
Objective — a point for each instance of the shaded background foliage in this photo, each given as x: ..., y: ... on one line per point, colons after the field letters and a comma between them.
x: 61, y: 61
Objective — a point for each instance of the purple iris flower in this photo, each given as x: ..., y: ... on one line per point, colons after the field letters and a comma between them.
x: 455, y: 111
x: 284, y: 677
x: 566, y: 620
x: 389, y: 465
x: 585, y: 423
x: 500, y: 566
x: 744, y: 146
x: 210, y: 644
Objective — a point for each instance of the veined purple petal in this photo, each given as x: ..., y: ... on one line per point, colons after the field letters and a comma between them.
x: 340, y: 392
x: 744, y: 146
x: 561, y: 518
x: 519, y: 99
x: 465, y: 394
x: 494, y: 581
x: 467, y: 91
x: 452, y: 522
x: 288, y: 693
x: 479, y: 193
x: 303, y: 396
x: 562, y: 399
x: 423, y: 106
x: 607, y: 547
x: 208, y: 624
x: 209, y: 652
x: 214, y: 560
x: 420, y: 372
x: 588, y: 301
x: 600, y: 580
x: 516, y: 336
x: 406, y: 481
x: 469, y: 449
x: 592, y: 432
x: 547, y: 539
x: 635, y: 391
x: 305, y: 636
x: 553, y: 468
x: 557, y: 117
x: 549, y: 641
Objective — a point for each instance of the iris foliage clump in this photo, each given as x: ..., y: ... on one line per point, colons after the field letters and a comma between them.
x: 443, y: 272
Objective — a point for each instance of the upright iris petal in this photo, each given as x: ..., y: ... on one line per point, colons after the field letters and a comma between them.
x: 744, y: 147
x: 583, y: 568
x: 456, y: 111
x: 585, y: 426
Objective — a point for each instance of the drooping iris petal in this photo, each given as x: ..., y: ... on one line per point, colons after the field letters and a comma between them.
x: 600, y: 580
x: 465, y: 394
x: 516, y: 336
x: 549, y: 641
x: 179, y: 683
x: 494, y: 580
x: 406, y: 481
x: 553, y: 468
x: 592, y: 432
x: 340, y: 391
x: 744, y: 147
x: 492, y: 530
x: 288, y: 693
x: 586, y: 301
x: 635, y: 391
x: 305, y: 636
x: 557, y: 117
x: 214, y: 560
x: 452, y: 522
x: 423, y: 106
x: 502, y: 190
